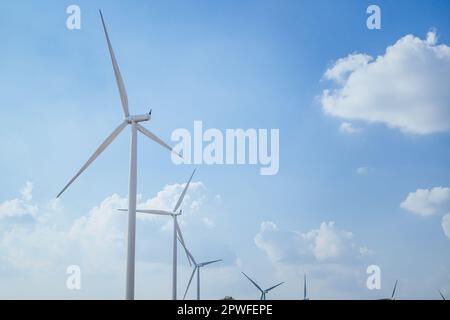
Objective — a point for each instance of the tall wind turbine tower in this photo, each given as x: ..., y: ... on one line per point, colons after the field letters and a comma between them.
x: 176, y: 232
x: 134, y: 121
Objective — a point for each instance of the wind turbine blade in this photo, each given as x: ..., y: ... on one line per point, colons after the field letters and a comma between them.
x: 155, y: 138
x: 267, y: 290
x: 97, y: 152
x: 443, y: 298
x: 189, y: 283
x: 254, y: 283
x: 119, y: 80
x: 180, y: 200
x: 210, y: 262
x: 187, y: 255
x: 393, y: 292
x: 181, y: 239
x: 158, y: 212
x: 187, y: 251
x: 180, y: 235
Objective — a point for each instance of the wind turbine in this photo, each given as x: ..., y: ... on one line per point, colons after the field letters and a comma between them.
x: 197, y: 267
x: 443, y: 297
x: 393, y: 292
x: 134, y: 122
x: 304, y: 289
x: 263, y: 292
x: 176, y: 231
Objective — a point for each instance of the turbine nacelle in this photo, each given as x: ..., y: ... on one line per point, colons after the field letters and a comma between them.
x: 138, y: 118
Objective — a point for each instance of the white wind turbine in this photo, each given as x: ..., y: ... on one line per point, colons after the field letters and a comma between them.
x: 197, y: 267
x: 176, y: 231
x: 263, y: 292
x: 133, y: 121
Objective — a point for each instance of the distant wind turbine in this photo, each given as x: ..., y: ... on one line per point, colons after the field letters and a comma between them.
x: 304, y: 289
x: 133, y: 121
x: 176, y: 231
x: 263, y: 292
x: 393, y: 292
x: 443, y: 297
x: 197, y: 267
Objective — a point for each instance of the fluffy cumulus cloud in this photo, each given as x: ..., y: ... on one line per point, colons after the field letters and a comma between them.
x: 47, y: 243
x: 167, y: 198
x: 406, y: 88
x: 327, y: 243
x: 27, y: 191
x: 19, y: 207
x: 427, y: 202
x: 96, y: 230
x: 334, y: 263
x: 95, y: 240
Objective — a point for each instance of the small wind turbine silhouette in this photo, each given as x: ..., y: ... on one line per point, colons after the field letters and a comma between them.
x: 176, y: 231
x: 304, y: 288
x: 263, y: 292
x: 197, y: 267
x: 134, y: 122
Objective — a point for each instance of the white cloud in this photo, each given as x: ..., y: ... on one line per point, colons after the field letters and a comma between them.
x: 431, y: 37
x: 19, y: 207
x: 406, y: 88
x: 34, y: 255
x: 95, y: 240
x: 329, y: 256
x: 426, y: 202
x: 347, y: 127
x: 325, y: 243
x: 330, y: 242
x: 27, y: 191
x: 101, y: 225
x: 345, y: 66
x: 167, y: 198
x: 446, y: 224
x: 34, y: 249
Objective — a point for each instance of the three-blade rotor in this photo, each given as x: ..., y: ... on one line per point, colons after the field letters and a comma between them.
x: 263, y: 292
x: 128, y: 119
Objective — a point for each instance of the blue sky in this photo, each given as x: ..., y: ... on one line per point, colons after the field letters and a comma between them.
x: 230, y: 64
